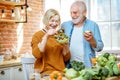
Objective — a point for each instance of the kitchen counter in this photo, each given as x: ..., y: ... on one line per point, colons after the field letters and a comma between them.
x: 32, y: 77
x: 113, y: 78
x: 47, y: 78
x: 10, y: 63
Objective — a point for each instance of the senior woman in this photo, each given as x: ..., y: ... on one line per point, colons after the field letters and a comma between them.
x: 50, y: 55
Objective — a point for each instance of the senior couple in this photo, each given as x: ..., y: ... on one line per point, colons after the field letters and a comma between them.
x: 84, y: 40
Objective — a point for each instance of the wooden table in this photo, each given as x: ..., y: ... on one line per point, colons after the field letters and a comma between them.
x: 113, y: 78
x: 10, y: 63
x: 47, y: 78
x: 32, y: 77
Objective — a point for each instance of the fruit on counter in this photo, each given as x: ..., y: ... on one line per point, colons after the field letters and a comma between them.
x: 55, y: 75
x: 71, y: 73
x: 61, y: 37
x: 77, y: 65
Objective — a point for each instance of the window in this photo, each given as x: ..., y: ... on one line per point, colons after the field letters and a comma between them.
x: 63, y: 6
x: 48, y: 4
x: 106, y: 14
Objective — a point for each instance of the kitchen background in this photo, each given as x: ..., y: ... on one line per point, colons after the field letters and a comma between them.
x: 18, y: 35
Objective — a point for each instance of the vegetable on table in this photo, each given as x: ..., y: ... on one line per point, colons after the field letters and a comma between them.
x: 77, y: 65
x: 104, y: 71
x: 56, y: 75
x: 106, y: 55
x: 112, y: 57
x: 86, y: 75
x: 118, y: 65
x: 101, y: 61
x: 106, y: 67
x: 94, y: 61
x: 71, y: 73
x: 116, y: 70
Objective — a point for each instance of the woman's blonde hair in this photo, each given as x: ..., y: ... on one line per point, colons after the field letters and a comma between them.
x: 48, y: 15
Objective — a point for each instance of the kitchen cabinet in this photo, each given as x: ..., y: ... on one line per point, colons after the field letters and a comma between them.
x: 16, y: 8
x: 17, y: 73
x: 5, y: 74
x: 12, y: 73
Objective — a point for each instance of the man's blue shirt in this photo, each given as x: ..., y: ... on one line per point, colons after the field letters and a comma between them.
x: 89, y: 52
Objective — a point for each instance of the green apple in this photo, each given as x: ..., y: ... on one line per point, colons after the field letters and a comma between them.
x: 87, y: 31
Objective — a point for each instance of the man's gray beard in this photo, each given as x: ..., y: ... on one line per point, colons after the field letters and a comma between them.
x: 76, y: 21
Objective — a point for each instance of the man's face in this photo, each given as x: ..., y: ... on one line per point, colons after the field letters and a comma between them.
x: 76, y: 15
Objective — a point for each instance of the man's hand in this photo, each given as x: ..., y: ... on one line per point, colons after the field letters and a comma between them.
x: 88, y: 35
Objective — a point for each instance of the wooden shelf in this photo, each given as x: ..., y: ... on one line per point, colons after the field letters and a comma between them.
x: 12, y: 21
x: 12, y: 3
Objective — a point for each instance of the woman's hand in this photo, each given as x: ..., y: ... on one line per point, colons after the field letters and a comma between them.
x: 65, y: 48
x: 51, y: 31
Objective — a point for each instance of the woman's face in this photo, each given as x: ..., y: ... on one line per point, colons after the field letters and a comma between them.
x: 54, y: 22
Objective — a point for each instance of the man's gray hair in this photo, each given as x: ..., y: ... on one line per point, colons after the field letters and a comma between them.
x: 81, y: 4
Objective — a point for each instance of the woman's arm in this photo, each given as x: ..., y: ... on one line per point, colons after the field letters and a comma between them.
x: 42, y: 44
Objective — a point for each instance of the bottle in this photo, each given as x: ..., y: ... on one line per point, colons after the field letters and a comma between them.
x: 37, y: 74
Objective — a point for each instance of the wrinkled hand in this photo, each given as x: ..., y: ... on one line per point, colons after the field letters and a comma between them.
x: 88, y: 36
x: 51, y: 31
